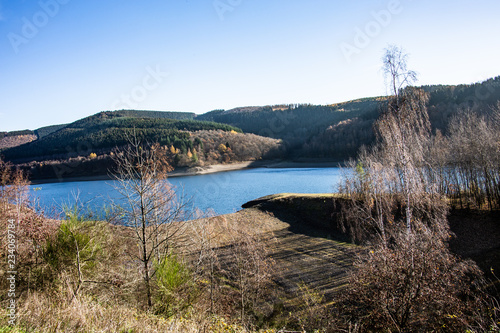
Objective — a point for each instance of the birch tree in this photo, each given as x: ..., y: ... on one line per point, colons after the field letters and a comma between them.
x: 409, y: 274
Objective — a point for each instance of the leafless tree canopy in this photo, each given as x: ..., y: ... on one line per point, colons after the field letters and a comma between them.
x: 395, y: 67
x: 470, y: 172
x: 388, y: 185
x: 151, y: 207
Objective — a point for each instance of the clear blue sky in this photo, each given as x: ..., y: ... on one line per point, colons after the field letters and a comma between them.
x: 61, y: 60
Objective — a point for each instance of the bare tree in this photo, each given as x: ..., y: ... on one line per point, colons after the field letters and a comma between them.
x: 369, y: 208
x: 234, y: 262
x: 404, y: 133
x: 13, y: 191
x: 396, y: 70
x: 392, y: 175
x: 151, y: 206
x: 474, y: 159
x: 250, y: 266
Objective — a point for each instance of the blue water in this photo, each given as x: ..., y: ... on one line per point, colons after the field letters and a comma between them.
x: 223, y: 192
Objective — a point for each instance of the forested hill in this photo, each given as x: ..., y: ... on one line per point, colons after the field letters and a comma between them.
x: 338, y: 131
x: 299, y: 125
x: 293, y: 123
x: 106, y: 130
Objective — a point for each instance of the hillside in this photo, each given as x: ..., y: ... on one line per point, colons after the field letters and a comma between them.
x: 344, y: 138
x: 339, y: 130
x: 294, y: 124
x: 17, y: 138
x: 106, y: 130
x: 85, y: 147
x: 9, y: 140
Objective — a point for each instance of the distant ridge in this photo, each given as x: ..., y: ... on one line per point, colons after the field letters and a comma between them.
x: 44, y: 131
x: 178, y: 115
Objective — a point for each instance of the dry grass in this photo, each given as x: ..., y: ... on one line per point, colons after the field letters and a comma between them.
x: 41, y: 313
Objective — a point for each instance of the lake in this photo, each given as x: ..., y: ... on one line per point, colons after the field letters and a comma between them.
x: 222, y: 192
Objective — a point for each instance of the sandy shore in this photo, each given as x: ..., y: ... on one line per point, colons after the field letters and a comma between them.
x: 251, y: 164
x: 182, y: 172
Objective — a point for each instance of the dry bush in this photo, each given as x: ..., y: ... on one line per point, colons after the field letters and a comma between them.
x: 413, y: 284
x: 247, y: 268
x: 485, y: 314
x: 233, y: 270
x: 32, y: 230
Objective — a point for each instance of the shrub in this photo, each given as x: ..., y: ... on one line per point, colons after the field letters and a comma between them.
x: 176, y: 289
x: 69, y: 242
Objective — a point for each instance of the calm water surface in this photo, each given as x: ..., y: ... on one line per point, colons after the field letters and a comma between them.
x: 223, y: 192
